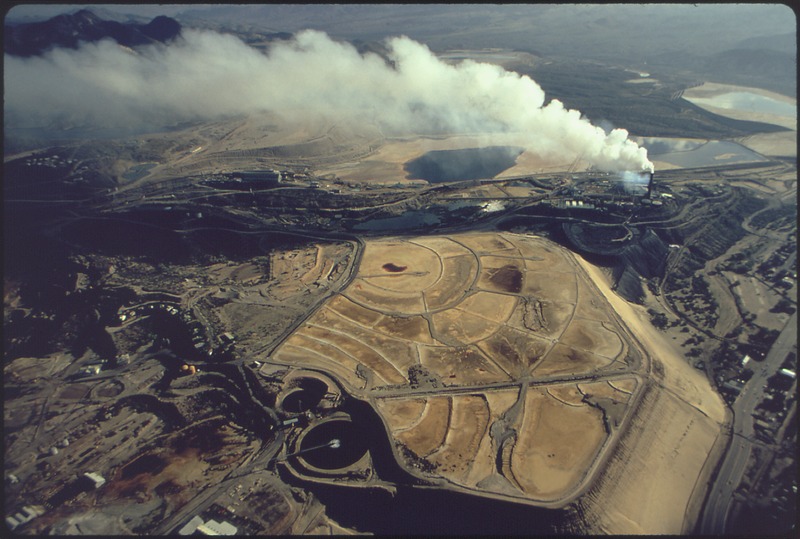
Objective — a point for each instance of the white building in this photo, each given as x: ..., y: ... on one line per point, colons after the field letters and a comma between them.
x: 191, y: 526
x: 212, y: 527
x: 90, y: 370
x: 95, y: 478
x: 12, y: 523
x: 28, y: 513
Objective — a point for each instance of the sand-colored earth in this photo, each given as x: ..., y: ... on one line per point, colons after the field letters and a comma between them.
x: 531, y: 163
x: 467, y: 307
x: 429, y: 433
x: 659, y: 473
x: 503, y: 362
x: 487, y: 314
x: 663, y: 165
x: 547, y: 457
x: 779, y: 144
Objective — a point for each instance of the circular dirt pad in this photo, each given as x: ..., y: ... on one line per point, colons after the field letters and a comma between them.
x: 401, y: 266
x: 407, y: 276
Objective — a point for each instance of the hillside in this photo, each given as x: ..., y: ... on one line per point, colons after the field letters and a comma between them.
x: 69, y: 30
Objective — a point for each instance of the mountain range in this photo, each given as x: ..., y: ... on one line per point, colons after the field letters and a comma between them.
x: 69, y: 30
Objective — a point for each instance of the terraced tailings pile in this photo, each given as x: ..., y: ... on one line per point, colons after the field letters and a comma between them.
x: 446, y: 336
x: 499, y: 369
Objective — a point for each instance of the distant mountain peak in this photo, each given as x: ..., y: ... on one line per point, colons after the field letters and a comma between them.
x: 85, y: 14
x: 69, y: 30
x: 162, y: 28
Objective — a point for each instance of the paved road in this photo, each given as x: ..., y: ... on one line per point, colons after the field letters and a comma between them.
x: 720, y: 499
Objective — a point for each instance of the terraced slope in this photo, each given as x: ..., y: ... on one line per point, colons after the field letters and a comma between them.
x: 490, y: 356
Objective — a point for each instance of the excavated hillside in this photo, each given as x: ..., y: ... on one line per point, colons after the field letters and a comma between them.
x: 642, y: 256
x: 720, y: 228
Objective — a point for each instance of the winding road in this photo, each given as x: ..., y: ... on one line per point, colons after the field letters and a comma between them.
x: 720, y: 497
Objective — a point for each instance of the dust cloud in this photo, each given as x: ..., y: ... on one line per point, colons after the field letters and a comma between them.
x: 205, y: 75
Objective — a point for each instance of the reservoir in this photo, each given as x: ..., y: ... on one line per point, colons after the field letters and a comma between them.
x: 459, y: 165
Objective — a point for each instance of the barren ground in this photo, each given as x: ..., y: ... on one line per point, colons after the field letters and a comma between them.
x: 663, y: 460
x: 444, y: 332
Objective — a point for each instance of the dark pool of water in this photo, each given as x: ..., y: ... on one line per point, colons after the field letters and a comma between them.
x: 417, y: 511
x: 467, y: 164
x: 663, y: 145
x: 392, y: 268
x: 352, y: 439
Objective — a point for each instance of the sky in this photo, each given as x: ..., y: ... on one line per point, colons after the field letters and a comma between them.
x: 207, y: 75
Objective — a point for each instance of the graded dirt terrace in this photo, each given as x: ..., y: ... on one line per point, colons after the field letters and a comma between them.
x: 490, y: 356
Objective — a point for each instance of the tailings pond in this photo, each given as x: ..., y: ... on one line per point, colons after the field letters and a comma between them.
x: 459, y: 165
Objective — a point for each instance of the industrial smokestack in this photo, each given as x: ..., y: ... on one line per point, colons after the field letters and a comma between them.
x: 650, y: 186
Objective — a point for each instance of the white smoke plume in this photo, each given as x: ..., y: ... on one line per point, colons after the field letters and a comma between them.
x: 635, y: 182
x: 207, y: 75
